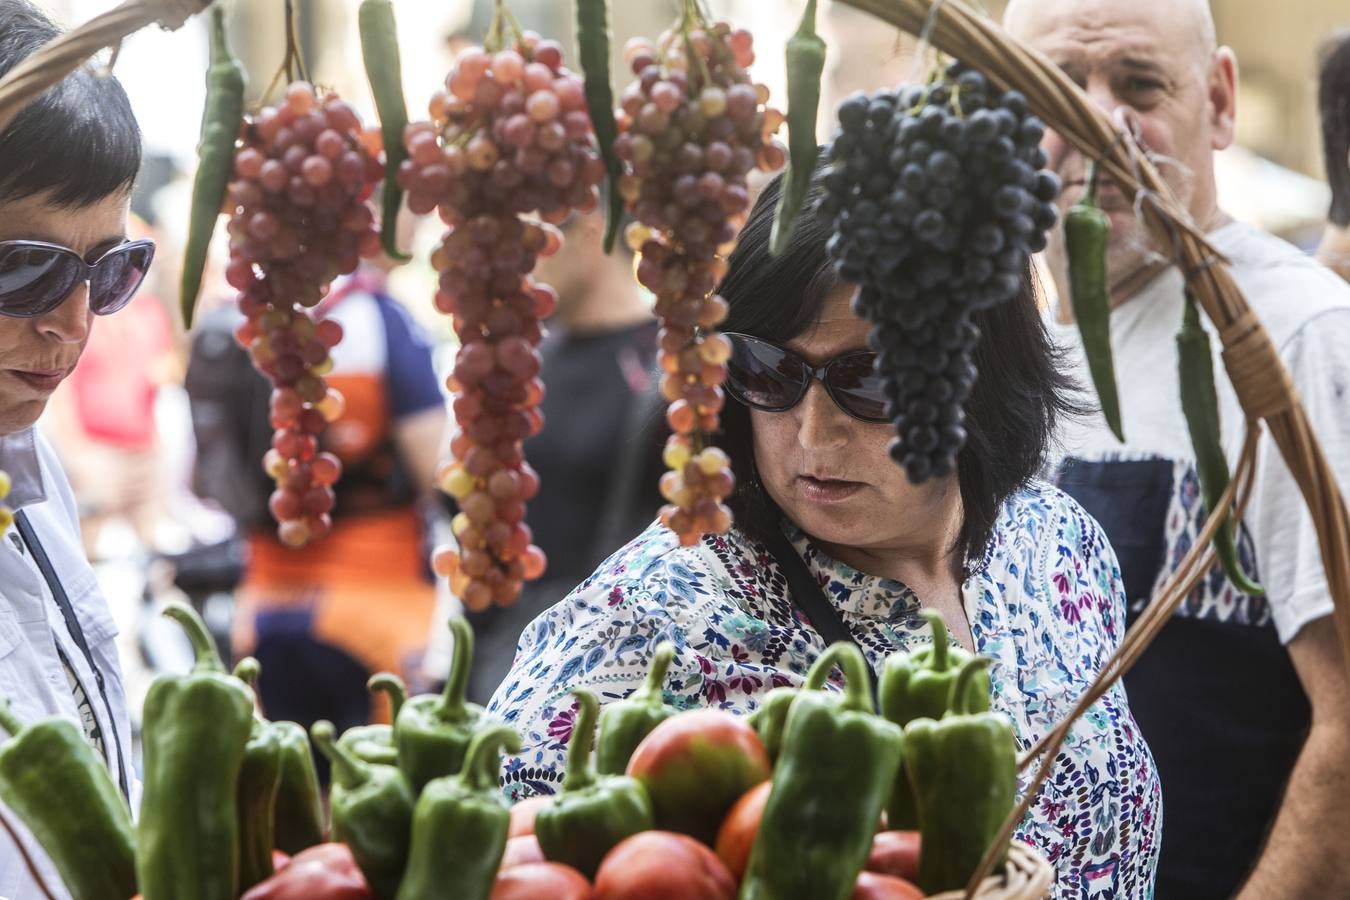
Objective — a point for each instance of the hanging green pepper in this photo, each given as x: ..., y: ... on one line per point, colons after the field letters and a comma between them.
x: 816, y: 832
x: 298, y: 823
x: 1200, y: 404
x: 221, y: 119
x: 592, y: 813
x: 384, y: 69
x: 90, y: 840
x: 805, y: 64
x: 624, y: 724
x: 593, y: 50
x: 460, y: 825
x: 432, y: 731
x: 372, y: 809
x: 963, y: 768
x: 375, y: 743
x: 256, y: 795
x: 1086, y: 232
x: 196, y: 728
x: 770, y: 719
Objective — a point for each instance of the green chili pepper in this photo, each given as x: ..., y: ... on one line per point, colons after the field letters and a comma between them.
x: 256, y: 794
x: 963, y: 768
x: 195, y: 733
x: 805, y: 64
x: 56, y: 784
x: 1200, y: 403
x: 624, y: 724
x: 432, y: 731
x: 215, y: 159
x: 375, y: 743
x: 593, y: 50
x: 298, y: 821
x: 461, y: 824
x: 1086, y: 232
x: 372, y: 810
x: 592, y: 813
x: 770, y: 719
x: 384, y: 69
x: 819, y: 820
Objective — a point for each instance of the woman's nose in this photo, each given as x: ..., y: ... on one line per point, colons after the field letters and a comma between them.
x: 69, y: 322
x: 821, y: 425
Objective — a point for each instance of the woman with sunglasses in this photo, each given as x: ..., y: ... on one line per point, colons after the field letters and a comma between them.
x: 67, y: 164
x: 831, y: 536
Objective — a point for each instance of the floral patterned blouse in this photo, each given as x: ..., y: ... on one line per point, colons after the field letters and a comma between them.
x: 1047, y: 605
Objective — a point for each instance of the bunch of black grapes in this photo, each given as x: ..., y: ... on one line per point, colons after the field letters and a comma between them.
x: 938, y: 198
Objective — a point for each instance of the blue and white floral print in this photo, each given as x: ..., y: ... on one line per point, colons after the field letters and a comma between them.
x: 1046, y: 605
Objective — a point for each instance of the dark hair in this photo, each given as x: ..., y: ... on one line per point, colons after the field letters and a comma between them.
x: 1333, y: 92
x: 1012, y: 409
x: 79, y: 141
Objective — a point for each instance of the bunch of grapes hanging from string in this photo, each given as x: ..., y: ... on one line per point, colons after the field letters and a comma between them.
x: 299, y: 219
x: 692, y: 127
x: 509, y: 144
x: 938, y: 196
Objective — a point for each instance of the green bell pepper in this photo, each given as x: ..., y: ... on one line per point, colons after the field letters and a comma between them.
x: 625, y: 723
x: 375, y: 743
x: 770, y: 718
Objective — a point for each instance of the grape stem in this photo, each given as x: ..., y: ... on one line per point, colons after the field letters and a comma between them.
x: 693, y: 15
x: 501, y: 13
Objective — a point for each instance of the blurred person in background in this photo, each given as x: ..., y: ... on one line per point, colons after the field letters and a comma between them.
x: 597, y: 460
x: 1333, y: 96
x: 1243, y: 699
x: 322, y: 619
x: 67, y: 164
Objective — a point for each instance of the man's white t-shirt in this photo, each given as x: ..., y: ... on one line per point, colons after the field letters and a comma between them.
x: 1216, y: 696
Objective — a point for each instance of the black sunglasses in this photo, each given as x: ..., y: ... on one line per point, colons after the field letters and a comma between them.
x: 768, y: 377
x: 37, y: 277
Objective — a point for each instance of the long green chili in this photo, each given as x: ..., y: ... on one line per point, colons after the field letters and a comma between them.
x: 805, y: 64
x: 1086, y: 231
x: 379, y: 50
x: 593, y: 50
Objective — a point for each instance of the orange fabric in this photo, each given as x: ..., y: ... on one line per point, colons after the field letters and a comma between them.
x: 365, y: 416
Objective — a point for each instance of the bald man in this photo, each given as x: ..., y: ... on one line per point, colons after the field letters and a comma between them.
x: 1242, y: 699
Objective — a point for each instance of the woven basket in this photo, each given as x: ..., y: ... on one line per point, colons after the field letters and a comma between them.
x: 1027, y: 877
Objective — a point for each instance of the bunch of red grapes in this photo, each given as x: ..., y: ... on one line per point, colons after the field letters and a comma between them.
x: 692, y: 127
x: 509, y: 136
x: 298, y: 220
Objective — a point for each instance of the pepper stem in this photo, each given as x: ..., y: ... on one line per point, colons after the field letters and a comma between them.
x: 939, y: 628
x: 451, y: 708
x: 1094, y: 171
x: 8, y: 721
x: 348, y: 771
x: 819, y: 673
x: 580, y: 769
x: 656, y: 675
x: 392, y: 687
x: 857, y: 686
x: 203, y: 645
x: 482, y: 758
x: 247, y: 670
x: 956, y: 701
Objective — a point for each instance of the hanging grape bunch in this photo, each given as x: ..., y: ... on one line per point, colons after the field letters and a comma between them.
x: 938, y: 198
x: 692, y: 126
x: 509, y: 136
x: 298, y: 220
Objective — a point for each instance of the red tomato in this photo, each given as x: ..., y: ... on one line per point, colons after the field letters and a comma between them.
x: 695, y: 766
x: 736, y: 838
x: 523, y: 813
x: 873, y: 886
x: 280, y: 860
x: 895, y: 853
x: 520, y: 850
x: 663, y: 865
x: 326, y: 870
x: 533, y: 881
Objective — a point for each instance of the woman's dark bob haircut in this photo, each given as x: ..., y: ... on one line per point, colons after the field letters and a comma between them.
x: 75, y: 145
x: 1011, y: 412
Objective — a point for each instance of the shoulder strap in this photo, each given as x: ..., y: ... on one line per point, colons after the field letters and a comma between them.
x: 44, y: 564
x: 808, y: 596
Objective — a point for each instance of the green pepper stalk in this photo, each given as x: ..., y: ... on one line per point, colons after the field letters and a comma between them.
x: 375, y: 743
x: 56, y: 784
x: 384, y: 70
x: 1200, y: 404
x: 371, y: 808
x: 593, y: 812
x: 963, y: 769
x: 256, y: 793
x: 196, y: 729
x: 625, y: 723
x: 805, y: 64
x: 221, y: 118
x: 1086, y: 232
x: 297, y: 823
x: 818, y: 823
x: 432, y: 731
x: 770, y: 719
x: 460, y: 825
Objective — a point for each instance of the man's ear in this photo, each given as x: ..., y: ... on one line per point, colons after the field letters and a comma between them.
x: 1222, y: 95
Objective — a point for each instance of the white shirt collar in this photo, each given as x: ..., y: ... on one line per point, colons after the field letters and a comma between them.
x: 19, y: 460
